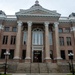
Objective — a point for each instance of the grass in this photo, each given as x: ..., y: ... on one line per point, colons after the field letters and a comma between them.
x: 70, y: 74
x: 5, y: 74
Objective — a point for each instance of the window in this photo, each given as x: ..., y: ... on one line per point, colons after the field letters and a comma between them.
x: 50, y: 38
x: 14, y: 29
x: 5, y: 39
x: 68, y: 41
x: 23, y: 54
x: 37, y: 37
x: 13, y: 40
x: 63, y: 54
x: 24, y: 37
x: 60, y: 30
x: 61, y: 40
x: 70, y: 51
x: 67, y: 30
x: 6, y: 29
x: 51, y: 54
x: 2, y: 53
x: 11, y: 56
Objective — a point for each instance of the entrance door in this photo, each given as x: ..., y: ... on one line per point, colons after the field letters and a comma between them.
x: 37, y: 56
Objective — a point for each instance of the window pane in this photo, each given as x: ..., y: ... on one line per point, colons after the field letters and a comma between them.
x: 60, y: 30
x: 14, y: 29
x: 24, y: 37
x: 67, y: 30
x: 6, y: 29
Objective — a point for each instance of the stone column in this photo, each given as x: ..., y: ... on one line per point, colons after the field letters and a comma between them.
x: 73, y: 34
x: 1, y: 32
x: 28, y: 49
x: 58, y: 57
x: 47, y: 45
x: 18, y: 41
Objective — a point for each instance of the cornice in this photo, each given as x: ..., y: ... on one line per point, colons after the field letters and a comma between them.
x: 38, y: 15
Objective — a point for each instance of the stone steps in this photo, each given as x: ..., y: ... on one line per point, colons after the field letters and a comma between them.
x: 43, y: 68
x: 38, y: 68
x: 34, y: 68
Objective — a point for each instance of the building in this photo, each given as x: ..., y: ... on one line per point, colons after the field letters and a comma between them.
x: 37, y: 35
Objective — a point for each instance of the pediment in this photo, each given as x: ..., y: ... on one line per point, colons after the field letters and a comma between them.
x: 37, y: 10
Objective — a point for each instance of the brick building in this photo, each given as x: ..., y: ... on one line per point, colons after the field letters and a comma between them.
x: 37, y: 35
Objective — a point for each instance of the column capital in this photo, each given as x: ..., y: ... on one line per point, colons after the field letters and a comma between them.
x: 29, y: 23
x: 56, y: 24
x: 1, y: 27
x: 73, y: 28
x: 46, y: 23
x: 19, y: 23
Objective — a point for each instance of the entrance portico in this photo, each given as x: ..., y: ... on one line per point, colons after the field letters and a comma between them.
x: 39, y: 23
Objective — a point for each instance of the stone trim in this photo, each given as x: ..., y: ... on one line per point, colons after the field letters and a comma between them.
x: 56, y: 24
x: 19, y: 23
x: 46, y: 23
x: 72, y: 28
x: 29, y: 23
x: 1, y: 26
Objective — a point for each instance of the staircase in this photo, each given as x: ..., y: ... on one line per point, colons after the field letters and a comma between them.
x: 37, y: 68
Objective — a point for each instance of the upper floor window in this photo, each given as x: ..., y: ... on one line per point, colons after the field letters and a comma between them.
x: 67, y: 30
x: 6, y: 29
x: 13, y: 40
x: 61, y: 40
x: 50, y: 38
x: 14, y: 29
x: 24, y: 37
x: 68, y: 41
x: 5, y: 39
x: 37, y: 36
x: 60, y: 30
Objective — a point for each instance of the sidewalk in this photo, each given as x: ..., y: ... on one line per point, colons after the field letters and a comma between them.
x: 40, y: 74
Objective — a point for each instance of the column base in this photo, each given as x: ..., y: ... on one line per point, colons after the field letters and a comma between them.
x: 17, y: 58
x: 58, y: 59
x: 27, y: 59
x: 48, y: 59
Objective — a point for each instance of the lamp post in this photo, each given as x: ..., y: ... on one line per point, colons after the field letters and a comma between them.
x: 6, y: 55
x: 71, y: 58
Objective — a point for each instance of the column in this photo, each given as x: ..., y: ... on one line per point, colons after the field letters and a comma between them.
x: 1, y: 33
x: 47, y: 45
x: 28, y: 49
x: 18, y: 41
x: 58, y: 57
x: 73, y: 34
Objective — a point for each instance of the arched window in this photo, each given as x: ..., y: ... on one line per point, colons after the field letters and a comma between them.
x: 37, y: 36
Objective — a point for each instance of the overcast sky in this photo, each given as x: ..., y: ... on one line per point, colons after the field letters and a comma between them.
x: 64, y: 7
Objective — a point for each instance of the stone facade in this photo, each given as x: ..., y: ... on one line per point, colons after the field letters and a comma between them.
x: 45, y: 22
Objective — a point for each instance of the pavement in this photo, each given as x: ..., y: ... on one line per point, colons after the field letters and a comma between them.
x: 40, y: 74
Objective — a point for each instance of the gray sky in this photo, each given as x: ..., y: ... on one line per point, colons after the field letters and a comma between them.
x: 64, y: 7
